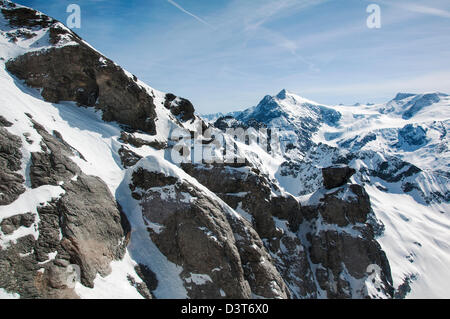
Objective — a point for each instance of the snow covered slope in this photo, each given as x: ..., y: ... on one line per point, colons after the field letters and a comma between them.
x: 400, y: 151
x: 90, y: 179
x: 73, y: 160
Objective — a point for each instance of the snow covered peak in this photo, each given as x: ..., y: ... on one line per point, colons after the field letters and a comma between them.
x: 283, y: 93
x: 24, y: 30
x: 401, y: 96
x: 288, y: 110
x: 408, y: 105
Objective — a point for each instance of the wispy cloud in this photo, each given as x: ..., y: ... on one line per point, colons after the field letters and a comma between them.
x: 430, y: 82
x: 427, y: 10
x: 176, y: 5
x: 420, y: 9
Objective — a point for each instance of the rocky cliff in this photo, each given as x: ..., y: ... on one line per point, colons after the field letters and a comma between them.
x: 87, y: 182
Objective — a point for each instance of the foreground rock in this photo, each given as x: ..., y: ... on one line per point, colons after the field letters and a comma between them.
x: 195, y: 231
x: 11, y: 182
x: 83, y: 227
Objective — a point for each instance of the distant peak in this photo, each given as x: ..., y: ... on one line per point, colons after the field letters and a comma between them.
x: 428, y: 95
x: 282, y: 94
x: 401, y: 96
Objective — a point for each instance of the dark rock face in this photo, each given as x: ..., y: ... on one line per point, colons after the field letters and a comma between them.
x: 249, y: 191
x: 394, y: 170
x: 4, y: 122
x: 343, y: 254
x: 92, y: 226
x: 180, y: 107
x: 84, y: 227
x: 80, y: 74
x: 11, y: 183
x: 303, y: 254
x: 336, y: 176
x: 128, y: 157
x: 139, y: 142
x: 348, y: 205
x: 52, y: 165
x: 413, y: 135
x: 24, y: 17
x: 198, y: 234
x: 11, y: 224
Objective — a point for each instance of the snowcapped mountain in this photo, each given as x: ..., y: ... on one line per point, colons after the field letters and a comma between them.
x: 102, y: 194
x: 400, y: 152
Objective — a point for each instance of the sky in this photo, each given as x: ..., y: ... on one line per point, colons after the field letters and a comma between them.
x: 226, y: 55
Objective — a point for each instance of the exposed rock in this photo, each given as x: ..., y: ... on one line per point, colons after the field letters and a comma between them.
x: 84, y: 227
x: 341, y: 255
x: 258, y: 264
x: 11, y: 182
x: 138, y: 142
x: 25, y: 17
x: 78, y: 73
x: 128, y: 157
x: 197, y: 233
x: 11, y: 224
x: 394, y: 170
x: 92, y: 229
x: 344, y: 254
x: 180, y: 107
x: 405, y: 288
x: 53, y: 165
x: 348, y: 205
x: 251, y: 193
x: 4, y: 122
x: 336, y: 176
x: 148, y: 276
x: 140, y: 287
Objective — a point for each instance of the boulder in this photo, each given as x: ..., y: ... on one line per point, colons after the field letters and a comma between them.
x: 335, y: 176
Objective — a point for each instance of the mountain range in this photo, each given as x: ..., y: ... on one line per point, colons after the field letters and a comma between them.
x: 340, y: 202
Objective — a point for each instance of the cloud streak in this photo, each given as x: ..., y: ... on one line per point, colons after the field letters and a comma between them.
x: 416, y: 8
x: 428, y: 10
x: 176, y: 5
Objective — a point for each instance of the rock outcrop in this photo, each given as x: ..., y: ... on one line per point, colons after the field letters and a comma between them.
x: 180, y: 107
x: 80, y: 74
x: 196, y: 232
x: 336, y: 176
x: 341, y: 231
x: 304, y: 252
x: 83, y: 227
x: 229, y: 230
x: 11, y: 182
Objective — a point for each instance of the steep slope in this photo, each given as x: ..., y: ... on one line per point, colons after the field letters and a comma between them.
x: 107, y: 187
x: 74, y: 174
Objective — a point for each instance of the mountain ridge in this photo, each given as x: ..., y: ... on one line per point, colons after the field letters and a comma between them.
x: 91, y: 156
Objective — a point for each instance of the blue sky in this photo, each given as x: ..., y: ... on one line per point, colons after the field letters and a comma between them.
x: 226, y: 55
